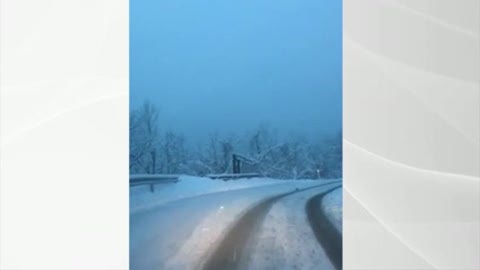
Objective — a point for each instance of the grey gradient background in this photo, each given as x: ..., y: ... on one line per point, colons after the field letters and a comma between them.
x: 411, y: 134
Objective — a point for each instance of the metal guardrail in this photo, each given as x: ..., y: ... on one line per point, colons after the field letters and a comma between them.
x: 152, y: 179
x: 233, y: 176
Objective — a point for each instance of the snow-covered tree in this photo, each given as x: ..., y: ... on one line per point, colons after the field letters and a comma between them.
x: 332, y: 156
x: 293, y: 157
x: 144, y: 140
x: 174, y: 153
x: 215, y: 156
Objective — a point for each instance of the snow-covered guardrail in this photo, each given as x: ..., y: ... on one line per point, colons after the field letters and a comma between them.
x: 231, y: 176
x: 152, y: 179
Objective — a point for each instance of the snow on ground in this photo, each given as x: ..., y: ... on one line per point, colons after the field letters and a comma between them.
x: 189, y: 186
x: 286, y: 240
x: 332, y: 206
x: 183, y: 229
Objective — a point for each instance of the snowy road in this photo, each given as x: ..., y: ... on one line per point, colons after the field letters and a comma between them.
x: 254, y: 228
x: 324, y: 230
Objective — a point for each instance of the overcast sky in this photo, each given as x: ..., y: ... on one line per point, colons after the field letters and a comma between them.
x: 228, y: 65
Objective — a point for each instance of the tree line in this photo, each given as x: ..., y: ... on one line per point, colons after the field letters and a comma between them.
x: 156, y: 151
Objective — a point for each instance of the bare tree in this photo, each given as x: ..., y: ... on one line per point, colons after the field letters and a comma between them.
x: 144, y: 139
x: 290, y: 158
x: 174, y: 153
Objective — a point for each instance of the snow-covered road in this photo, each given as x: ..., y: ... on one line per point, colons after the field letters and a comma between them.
x: 185, y: 233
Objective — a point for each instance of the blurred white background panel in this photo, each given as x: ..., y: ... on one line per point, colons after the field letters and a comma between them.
x: 411, y: 134
x: 64, y: 134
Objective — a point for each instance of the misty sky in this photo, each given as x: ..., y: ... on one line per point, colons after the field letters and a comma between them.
x: 226, y: 65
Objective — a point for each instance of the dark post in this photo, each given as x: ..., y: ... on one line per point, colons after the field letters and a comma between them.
x: 152, y: 187
x: 236, y: 164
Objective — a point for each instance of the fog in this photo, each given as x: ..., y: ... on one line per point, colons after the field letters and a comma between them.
x: 227, y: 66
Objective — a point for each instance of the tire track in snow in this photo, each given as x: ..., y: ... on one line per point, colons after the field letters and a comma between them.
x: 325, y: 232
x: 233, y: 248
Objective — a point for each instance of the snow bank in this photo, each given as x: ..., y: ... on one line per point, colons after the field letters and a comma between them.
x: 141, y: 197
x: 332, y: 206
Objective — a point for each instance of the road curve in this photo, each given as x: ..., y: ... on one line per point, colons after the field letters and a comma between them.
x: 325, y: 232
x: 231, y: 251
